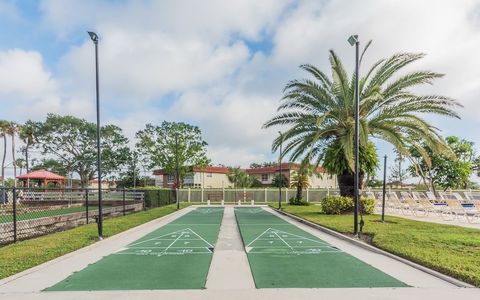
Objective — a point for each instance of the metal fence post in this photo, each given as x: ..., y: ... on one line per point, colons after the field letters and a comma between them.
x: 14, y: 197
x: 123, y: 201
x: 86, y: 204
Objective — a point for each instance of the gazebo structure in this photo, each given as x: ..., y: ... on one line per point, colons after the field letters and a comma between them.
x: 42, y: 178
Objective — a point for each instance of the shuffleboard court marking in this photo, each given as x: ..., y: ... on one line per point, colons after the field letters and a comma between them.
x: 179, y: 242
x: 278, y: 241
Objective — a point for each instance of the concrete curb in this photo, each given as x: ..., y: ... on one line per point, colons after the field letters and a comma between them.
x: 371, y: 248
x: 86, y: 248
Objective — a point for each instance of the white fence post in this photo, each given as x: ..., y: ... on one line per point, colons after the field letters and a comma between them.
x: 307, y: 194
x: 188, y: 195
x: 202, y: 194
x: 328, y: 191
x: 286, y: 195
x: 265, y: 194
x: 223, y: 196
x: 244, y: 194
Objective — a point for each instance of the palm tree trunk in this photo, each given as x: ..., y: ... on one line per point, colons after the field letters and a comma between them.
x: 346, y: 183
x: 299, y: 192
x: 26, y: 157
x: 4, y: 156
x: 14, y: 162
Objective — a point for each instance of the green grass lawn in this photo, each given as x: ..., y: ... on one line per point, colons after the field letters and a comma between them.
x: 23, y: 255
x: 45, y: 213
x: 449, y: 249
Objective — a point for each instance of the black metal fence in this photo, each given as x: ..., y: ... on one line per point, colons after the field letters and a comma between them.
x: 31, y: 212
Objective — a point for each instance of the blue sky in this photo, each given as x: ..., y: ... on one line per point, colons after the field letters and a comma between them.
x: 220, y: 65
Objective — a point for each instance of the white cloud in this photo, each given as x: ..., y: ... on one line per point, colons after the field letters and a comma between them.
x: 198, y: 51
x: 27, y: 89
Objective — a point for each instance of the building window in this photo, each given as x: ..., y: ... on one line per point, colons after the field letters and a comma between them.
x: 264, y: 177
x: 170, y: 179
x: 209, y: 174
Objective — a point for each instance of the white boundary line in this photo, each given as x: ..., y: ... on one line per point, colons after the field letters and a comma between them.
x: 258, y: 237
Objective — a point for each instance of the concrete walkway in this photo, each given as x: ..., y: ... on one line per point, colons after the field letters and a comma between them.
x: 229, y: 276
x: 229, y: 269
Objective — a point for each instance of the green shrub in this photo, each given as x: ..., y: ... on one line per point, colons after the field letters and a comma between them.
x: 155, y: 197
x: 336, y: 205
x: 295, y: 201
x: 367, y: 205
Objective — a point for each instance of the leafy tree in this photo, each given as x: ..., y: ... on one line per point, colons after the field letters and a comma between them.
x: 72, y: 142
x: 280, y: 181
x: 443, y: 169
x: 157, y: 144
x: 130, y: 176
x: 244, y: 180
x: 255, y: 165
x: 52, y: 165
x: 319, y: 112
x: 397, y: 173
x: 256, y: 183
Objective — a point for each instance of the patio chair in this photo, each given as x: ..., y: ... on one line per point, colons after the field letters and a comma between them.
x: 455, y: 210
x: 396, y: 205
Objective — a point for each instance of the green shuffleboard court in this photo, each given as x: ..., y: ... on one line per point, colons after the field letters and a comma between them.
x: 282, y: 255
x: 175, y: 256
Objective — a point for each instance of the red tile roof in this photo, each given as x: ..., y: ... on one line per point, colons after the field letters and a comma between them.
x: 41, y: 174
x: 276, y: 168
x: 208, y: 169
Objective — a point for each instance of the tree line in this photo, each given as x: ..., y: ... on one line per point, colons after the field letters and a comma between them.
x: 67, y: 145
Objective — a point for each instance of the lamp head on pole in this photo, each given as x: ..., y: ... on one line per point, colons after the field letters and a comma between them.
x: 93, y: 36
x: 353, y: 39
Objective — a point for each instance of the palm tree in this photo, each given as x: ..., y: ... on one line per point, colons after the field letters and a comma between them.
x: 320, y: 114
x: 3, y: 133
x: 27, y: 134
x: 12, y: 132
x: 301, y: 179
x: 234, y: 175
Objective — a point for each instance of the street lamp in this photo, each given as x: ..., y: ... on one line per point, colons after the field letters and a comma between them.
x: 353, y: 40
x: 280, y: 181
x: 177, y: 171
x: 384, y: 187
x: 94, y: 38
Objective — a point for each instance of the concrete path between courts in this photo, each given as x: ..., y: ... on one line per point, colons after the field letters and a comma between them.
x: 229, y: 269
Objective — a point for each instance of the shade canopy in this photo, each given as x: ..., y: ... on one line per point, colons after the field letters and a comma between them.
x: 41, y: 174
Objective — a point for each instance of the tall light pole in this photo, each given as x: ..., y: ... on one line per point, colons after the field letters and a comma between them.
x: 353, y: 40
x: 384, y: 187
x: 280, y: 181
x: 94, y: 38
x: 177, y: 171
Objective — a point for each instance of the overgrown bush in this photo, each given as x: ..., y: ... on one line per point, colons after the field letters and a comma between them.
x: 337, y: 205
x: 367, y: 205
x: 295, y: 201
x: 155, y: 197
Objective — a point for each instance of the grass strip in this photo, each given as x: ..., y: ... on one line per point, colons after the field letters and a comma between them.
x: 449, y: 249
x: 23, y: 255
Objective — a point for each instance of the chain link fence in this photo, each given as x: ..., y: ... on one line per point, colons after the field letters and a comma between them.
x: 30, y: 212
